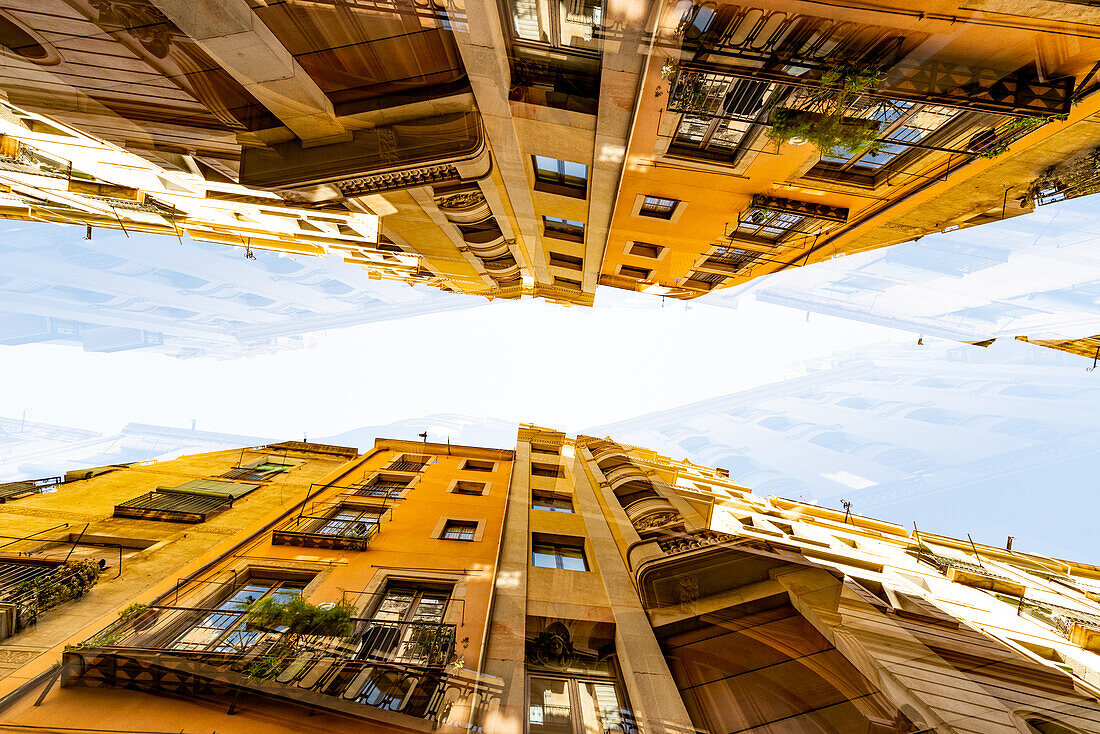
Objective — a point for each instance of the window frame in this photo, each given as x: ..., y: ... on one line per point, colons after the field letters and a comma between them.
x: 658, y: 207
x: 573, y: 684
x: 460, y: 527
x: 557, y: 180
x: 562, y: 229
x: 551, y: 499
x: 558, y: 543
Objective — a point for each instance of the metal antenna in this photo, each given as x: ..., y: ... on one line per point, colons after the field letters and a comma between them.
x: 975, y: 549
x: 847, y: 510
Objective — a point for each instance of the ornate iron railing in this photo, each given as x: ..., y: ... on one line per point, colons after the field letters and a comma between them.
x: 15, y: 490
x: 708, y: 94
x: 325, y: 531
x: 408, y: 667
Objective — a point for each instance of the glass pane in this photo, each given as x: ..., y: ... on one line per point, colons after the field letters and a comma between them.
x: 572, y: 559
x: 430, y: 608
x: 599, y: 707
x: 577, y: 171
x: 395, y: 604
x: 548, y: 710
x: 544, y: 556
x: 546, y: 165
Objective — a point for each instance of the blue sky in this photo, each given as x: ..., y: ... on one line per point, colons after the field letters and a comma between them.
x: 632, y: 354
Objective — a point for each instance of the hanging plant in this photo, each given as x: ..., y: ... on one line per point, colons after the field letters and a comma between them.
x: 70, y: 580
x: 820, y: 117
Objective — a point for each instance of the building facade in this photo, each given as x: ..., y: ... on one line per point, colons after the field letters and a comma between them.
x: 567, y: 585
x: 543, y: 148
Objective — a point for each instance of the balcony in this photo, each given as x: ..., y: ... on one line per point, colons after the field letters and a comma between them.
x: 401, y: 673
x: 328, y: 529
x: 173, y: 507
x: 15, y: 490
x: 616, y: 474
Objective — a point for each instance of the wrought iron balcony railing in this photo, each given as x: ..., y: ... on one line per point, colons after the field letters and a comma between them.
x: 15, y: 490
x: 405, y: 466
x: 326, y: 531
x: 405, y: 667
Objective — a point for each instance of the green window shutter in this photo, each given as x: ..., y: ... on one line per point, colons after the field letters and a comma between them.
x: 212, y: 487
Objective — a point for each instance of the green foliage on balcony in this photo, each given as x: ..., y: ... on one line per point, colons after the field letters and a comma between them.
x: 820, y: 117
x: 295, y: 617
x: 71, y: 580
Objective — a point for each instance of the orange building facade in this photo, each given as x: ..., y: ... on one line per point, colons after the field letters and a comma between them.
x: 570, y: 585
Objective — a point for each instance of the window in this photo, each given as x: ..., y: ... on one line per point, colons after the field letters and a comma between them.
x: 567, y: 555
x: 560, y: 177
x: 901, y: 124
x: 629, y: 271
x: 765, y: 224
x: 545, y: 470
x: 563, y: 229
x: 734, y: 258
x: 407, y: 627
x: 475, y: 465
x: 224, y: 630
x: 409, y: 462
x: 380, y: 487
x: 719, y: 113
x: 349, y: 521
x: 644, y: 249
x: 459, y: 530
x: 257, y: 471
x: 657, y: 207
x: 551, y: 502
x: 568, y: 283
x: 559, y: 705
x: 476, y: 489
x: 566, y: 261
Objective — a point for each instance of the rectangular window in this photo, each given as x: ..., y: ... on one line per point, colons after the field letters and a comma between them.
x: 560, y: 705
x: 901, y: 124
x: 459, y: 530
x: 224, y: 630
x: 476, y: 489
x: 565, y: 555
x: 566, y: 261
x: 409, y: 462
x: 476, y: 465
x: 563, y: 229
x: 644, y: 249
x: 560, y: 177
x: 772, y: 226
x: 407, y: 627
x: 550, y: 502
x: 569, y: 283
x: 348, y: 521
x: 658, y: 207
x: 257, y: 471
x: 629, y: 271
x: 545, y: 470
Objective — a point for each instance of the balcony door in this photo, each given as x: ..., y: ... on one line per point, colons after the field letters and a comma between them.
x: 222, y: 629
x: 407, y: 625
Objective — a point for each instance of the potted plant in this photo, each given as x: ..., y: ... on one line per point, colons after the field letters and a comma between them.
x: 820, y: 118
